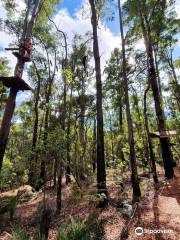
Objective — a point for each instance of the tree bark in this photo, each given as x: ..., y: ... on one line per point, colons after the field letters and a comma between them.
x: 35, y: 131
x: 175, y: 82
x: 151, y: 152
x: 166, y: 151
x: 112, y: 138
x: 10, y: 106
x: 59, y: 190
x: 134, y: 176
x: 68, y: 169
x: 41, y: 179
x: 101, y: 170
x: 6, y: 123
x: 94, y: 154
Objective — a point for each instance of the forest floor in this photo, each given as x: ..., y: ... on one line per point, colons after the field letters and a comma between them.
x: 159, y: 209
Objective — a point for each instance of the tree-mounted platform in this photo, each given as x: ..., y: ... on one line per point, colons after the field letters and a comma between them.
x: 23, y: 52
x: 22, y: 58
x: 11, y: 49
x: 15, y: 82
x: 163, y: 134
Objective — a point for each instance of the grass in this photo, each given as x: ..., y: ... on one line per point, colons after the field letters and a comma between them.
x: 76, y: 229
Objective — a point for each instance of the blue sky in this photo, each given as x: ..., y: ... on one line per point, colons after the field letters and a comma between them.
x: 69, y: 23
x: 74, y: 5
x: 71, y: 5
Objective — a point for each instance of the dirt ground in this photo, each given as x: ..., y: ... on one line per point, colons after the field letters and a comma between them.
x: 158, y: 210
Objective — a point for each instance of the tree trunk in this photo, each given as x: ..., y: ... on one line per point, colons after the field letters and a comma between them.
x: 6, y: 123
x: 10, y: 106
x: 157, y: 72
x: 82, y: 135
x: 94, y: 154
x: 101, y: 170
x: 121, y: 116
x: 134, y: 176
x: 177, y: 85
x: 35, y: 132
x: 139, y: 126
x: 151, y: 152
x: 68, y: 169
x: 41, y: 180
x: 112, y: 138
x: 166, y: 151
x: 59, y: 190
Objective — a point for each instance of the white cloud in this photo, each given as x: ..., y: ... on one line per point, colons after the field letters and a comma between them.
x: 177, y: 8
x: 80, y: 24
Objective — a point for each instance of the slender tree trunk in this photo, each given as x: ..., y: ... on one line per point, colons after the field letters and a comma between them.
x: 177, y: 85
x: 121, y: 153
x: 54, y: 173
x: 35, y: 132
x: 120, y: 116
x: 41, y: 180
x: 151, y: 152
x: 94, y: 154
x: 112, y: 138
x: 68, y: 169
x: 59, y: 189
x: 139, y: 124
x: 157, y: 73
x: 82, y: 135
x: 159, y: 81
x: 166, y: 151
x: 101, y: 169
x: 60, y: 169
x: 134, y: 176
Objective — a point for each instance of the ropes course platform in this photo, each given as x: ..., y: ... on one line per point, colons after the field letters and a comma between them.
x: 15, y: 82
x: 163, y: 134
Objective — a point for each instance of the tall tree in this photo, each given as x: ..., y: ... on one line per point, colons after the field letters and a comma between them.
x: 150, y: 146
x: 18, y: 72
x: 35, y: 128
x: 101, y: 169
x: 147, y: 34
x: 134, y: 176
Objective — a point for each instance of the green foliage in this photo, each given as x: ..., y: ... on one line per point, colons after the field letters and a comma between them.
x: 69, y: 76
x: 7, y: 175
x: 19, y: 234
x: 76, y: 230
x: 56, y: 145
x: 3, y: 72
x: 92, y: 229
x: 48, y: 9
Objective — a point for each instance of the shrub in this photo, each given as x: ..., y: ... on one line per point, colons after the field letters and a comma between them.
x: 75, y: 230
x: 19, y: 234
x: 92, y: 229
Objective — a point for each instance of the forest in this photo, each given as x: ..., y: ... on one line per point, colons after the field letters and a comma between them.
x: 89, y: 119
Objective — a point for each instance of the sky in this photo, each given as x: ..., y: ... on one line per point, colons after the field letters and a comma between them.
x: 71, y: 18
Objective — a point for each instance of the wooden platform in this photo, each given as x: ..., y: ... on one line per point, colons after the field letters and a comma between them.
x: 15, y: 82
x: 163, y: 134
x: 22, y: 58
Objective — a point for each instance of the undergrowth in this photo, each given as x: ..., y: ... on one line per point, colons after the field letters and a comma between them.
x: 92, y: 229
